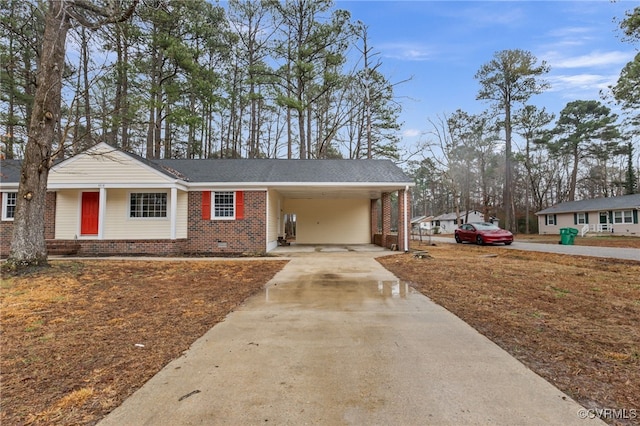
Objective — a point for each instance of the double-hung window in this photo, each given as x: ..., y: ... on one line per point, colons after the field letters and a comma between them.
x: 581, y: 219
x: 224, y: 205
x: 625, y: 216
x: 551, y: 219
x: 148, y: 205
x: 9, y: 200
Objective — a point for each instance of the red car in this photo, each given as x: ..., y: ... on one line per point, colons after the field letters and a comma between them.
x: 483, y: 233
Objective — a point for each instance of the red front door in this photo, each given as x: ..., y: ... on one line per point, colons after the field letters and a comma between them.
x: 89, y: 214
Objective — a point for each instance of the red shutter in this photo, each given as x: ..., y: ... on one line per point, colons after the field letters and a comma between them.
x: 206, y: 205
x: 239, y: 205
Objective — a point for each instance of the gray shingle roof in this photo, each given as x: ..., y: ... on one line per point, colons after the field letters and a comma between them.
x: 261, y: 170
x: 279, y: 171
x: 595, y: 204
x: 10, y: 171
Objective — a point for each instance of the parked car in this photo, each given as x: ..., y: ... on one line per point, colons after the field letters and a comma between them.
x: 482, y: 233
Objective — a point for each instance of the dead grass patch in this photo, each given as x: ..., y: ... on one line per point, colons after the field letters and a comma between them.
x: 571, y: 319
x: 80, y: 337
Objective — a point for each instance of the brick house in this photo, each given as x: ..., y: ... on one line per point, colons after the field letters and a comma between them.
x: 105, y: 201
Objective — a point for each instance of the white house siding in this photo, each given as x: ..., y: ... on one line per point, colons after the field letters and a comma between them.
x: 331, y: 221
x: 67, y: 215
x: 275, y: 203
x: 566, y: 220
x: 108, y: 168
x: 117, y: 223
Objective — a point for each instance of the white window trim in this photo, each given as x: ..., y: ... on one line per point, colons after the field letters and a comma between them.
x: 551, y: 220
x: 213, y: 207
x: 163, y: 218
x: 622, y: 217
x: 581, y: 218
x: 4, y: 205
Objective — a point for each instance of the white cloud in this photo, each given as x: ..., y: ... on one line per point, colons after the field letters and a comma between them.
x: 580, y: 85
x: 407, y: 51
x: 593, y: 59
x: 411, y: 133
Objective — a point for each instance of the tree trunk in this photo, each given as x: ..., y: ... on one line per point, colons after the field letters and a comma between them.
x: 28, y: 246
x: 507, y: 194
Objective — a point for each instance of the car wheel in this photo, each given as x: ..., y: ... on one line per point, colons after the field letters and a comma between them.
x: 458, y: 240
x: 507, y: 243
x: 479, y: 240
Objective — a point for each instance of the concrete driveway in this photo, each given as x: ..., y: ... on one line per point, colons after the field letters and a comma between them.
x: 335, y: 339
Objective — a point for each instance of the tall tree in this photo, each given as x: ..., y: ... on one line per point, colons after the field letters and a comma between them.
x: 311, y: 50
x: 248, y: 19
x: 530, y: 122
x: 510, y: 78
x: 28, y: 246
x: 581, y: 126
x: 22, y: 26
x: 631, y: 181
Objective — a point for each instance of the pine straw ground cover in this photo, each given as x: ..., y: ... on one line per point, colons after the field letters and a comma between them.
x: 573, y: 320
x: 80, y: 337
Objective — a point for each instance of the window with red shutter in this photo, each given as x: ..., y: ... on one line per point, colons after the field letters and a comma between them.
x: 239, y: 205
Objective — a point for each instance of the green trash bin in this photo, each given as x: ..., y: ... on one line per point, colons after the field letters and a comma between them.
x: 567, y: 236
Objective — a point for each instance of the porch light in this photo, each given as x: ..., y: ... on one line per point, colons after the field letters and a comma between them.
x: 28, y: 196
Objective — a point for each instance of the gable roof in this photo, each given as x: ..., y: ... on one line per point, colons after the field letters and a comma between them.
x: 623, y: 202
x: 257, y: 171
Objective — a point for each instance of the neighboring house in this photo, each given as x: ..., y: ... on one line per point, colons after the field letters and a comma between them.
x: 446, y: 223
x: 421, y: 223
x: 618, y: 215
x: 106, y: 201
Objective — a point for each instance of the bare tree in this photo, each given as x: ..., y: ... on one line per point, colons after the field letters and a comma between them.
x: 28, y: 247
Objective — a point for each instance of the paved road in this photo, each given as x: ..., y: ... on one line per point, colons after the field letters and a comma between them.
x: 336, y: 339
x: 609, y: 252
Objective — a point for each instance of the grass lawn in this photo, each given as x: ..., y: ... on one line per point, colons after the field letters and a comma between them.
x: 80, y: 337
x: 573, y: 320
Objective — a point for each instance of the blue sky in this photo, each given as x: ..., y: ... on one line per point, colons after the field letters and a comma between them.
x: 441, y: 45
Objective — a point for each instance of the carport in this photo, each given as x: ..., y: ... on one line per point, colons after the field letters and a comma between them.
x: 342, y: 214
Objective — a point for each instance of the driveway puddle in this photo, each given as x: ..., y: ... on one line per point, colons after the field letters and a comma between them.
x: 336, y: 293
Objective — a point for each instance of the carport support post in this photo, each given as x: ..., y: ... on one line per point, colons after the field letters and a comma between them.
x: 374, y: 219
x: 386, y: 217
x: 404, y: 219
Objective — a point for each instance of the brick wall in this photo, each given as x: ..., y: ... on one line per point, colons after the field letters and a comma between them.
x: 247, y: 235
x: 386, y: 219
x: 6, y: 226
x: 130, y: 247
x: 6, y: 232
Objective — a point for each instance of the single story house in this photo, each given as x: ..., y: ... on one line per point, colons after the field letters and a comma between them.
x: 421, y: 223
x: 105, y: 201
x: 617, y: 215
x: 447, y: 223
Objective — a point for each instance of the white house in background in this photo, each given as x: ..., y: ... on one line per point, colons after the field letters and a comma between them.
x: 446, y: 223
x: 618, y: 215
x: 421, y: 224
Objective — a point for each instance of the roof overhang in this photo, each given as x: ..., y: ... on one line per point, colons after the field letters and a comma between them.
x: 312, y: 190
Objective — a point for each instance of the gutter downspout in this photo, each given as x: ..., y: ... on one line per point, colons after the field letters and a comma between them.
x: 406, y: 225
